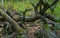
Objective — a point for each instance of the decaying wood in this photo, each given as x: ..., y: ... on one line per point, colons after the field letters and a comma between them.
x: 17, y: 20
x: 11, y: 21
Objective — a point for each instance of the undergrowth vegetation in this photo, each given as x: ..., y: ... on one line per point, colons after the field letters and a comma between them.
x: 22, y: 5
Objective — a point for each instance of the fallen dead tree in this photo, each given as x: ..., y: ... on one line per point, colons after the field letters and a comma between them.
x: 14, y: 17
x: 11, y: 21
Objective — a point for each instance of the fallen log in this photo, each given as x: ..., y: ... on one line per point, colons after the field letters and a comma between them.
x: 33, y: 18
x: 11, y: 21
